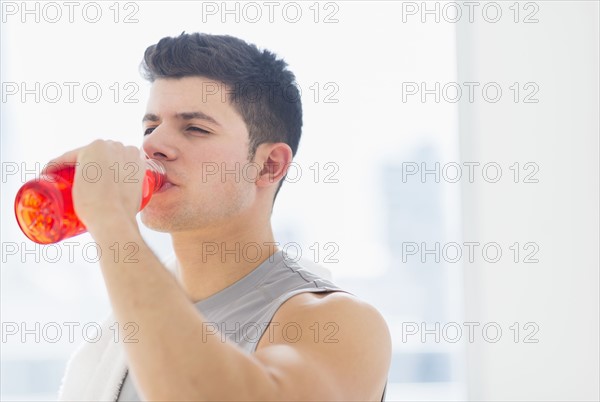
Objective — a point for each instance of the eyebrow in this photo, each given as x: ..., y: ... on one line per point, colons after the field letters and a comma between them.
x: 184, y: 116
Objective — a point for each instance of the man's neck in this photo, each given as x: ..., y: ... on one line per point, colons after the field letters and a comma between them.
x: 208, y: 263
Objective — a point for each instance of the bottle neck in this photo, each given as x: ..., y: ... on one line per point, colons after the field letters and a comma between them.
x: 158, y: 171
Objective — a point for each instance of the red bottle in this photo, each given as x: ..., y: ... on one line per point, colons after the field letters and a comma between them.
x: 44, y: 206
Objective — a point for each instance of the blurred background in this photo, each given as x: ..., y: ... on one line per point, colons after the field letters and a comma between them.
x: 447, y: 174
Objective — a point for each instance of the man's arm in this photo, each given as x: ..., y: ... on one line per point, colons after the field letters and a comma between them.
x: 174, y: 360
x: 334, y: 347
x: 171, y: 359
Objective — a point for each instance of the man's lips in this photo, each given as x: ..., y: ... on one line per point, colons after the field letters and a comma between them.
x: 166, y: 185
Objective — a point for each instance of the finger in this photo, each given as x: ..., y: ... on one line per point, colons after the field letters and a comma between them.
x: 69, y: 158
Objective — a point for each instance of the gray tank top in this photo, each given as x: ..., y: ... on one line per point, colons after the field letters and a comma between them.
x: 242, y: 311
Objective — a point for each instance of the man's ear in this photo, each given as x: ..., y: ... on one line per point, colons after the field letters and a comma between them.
x: 273, y: 160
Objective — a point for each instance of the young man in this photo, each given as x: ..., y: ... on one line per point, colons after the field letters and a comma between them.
x: 240, y: 321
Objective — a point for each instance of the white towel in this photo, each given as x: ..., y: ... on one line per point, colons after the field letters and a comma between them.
x: 95, y: 371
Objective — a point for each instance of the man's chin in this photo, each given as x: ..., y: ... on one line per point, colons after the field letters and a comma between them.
x: 158, y: 225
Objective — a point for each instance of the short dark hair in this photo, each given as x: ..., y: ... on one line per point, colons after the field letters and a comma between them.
x: 260, y: 86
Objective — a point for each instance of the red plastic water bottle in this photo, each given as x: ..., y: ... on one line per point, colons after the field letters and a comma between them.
x: 44, y: 206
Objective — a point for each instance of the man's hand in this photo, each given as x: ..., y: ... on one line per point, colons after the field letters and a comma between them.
x: 108, y: 182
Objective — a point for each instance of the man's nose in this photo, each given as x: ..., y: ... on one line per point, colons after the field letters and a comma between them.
x: 159, y: 145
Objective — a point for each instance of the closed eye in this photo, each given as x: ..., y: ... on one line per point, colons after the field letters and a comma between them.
x: 198, y: 129
x: 149, y: 130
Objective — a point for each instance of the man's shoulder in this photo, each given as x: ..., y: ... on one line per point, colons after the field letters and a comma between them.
x: 335, y: 312
x: 337, y: 304
x: 332, y: 341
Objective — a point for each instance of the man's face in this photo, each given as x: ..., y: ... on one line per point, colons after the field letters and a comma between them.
x: 193, y: 129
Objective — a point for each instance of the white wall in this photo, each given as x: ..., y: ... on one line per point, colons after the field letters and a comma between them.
x: 560, y: 213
